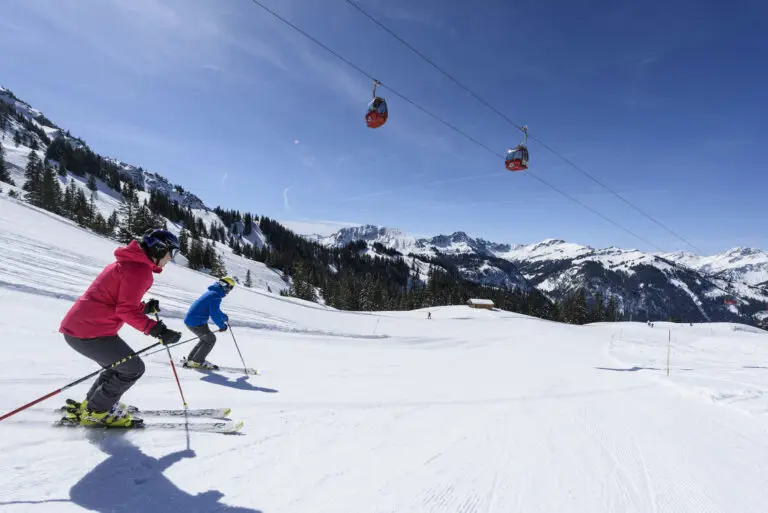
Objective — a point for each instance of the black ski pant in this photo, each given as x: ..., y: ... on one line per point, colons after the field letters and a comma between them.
x: 207, y: 340
x: 114, y: 382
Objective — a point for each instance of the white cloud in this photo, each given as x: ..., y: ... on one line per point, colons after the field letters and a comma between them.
x: 285, y: 197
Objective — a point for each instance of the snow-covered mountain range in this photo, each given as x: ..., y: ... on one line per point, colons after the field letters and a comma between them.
x: 650, y: 285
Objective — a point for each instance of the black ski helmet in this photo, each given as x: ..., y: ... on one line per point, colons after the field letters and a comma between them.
x: 158, y: 242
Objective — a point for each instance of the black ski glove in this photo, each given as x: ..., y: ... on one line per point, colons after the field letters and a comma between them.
x: 151, y: 307
x: 166, y: 336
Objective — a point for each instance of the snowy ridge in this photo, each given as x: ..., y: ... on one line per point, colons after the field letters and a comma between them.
x: 389, y: 237
x: 107, y: 200
x: 153, y: 181
x: 747, y: 265
x: 474, y: 258
x: 657, y: 285
x: 22, y: 107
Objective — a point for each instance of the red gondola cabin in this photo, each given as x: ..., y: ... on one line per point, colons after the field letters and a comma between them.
x: 517, y: 158
x: 377, y: 113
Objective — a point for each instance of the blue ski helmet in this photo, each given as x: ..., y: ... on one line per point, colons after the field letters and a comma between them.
x: 158, y: 242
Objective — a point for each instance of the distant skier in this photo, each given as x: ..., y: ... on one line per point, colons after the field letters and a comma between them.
x: 429, y: 315
x: 114, y: 298
x: 207, y: 306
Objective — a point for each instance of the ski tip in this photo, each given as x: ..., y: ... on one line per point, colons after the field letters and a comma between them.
x: 238, y: 426
x: 227, y: 411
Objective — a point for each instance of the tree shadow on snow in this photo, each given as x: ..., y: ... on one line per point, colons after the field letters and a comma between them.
x: 240, y: 383
x: 129, y: 480
x: 632, y: 369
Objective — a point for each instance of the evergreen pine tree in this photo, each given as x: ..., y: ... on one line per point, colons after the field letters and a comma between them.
x: 248, y: 281
x: 83, y: 215
x: 248, y: 220
x: 195, y: 256
x: 218, y: 269
x: 301, y: 288
x: 144, y: 220
x: 612, y: 311
x: 68, y: 205
x: 112, y: 223
x: 128, y: 212
x: 183, y: 242
x: 5, y: 175
x: 34, y: 184
x: 98, y: 224
x: 580, y: 307
x: 92, y: 183
x: 50, y: 190
x: 597, y: 313
x: 366, y: 294
x: 247, y: 251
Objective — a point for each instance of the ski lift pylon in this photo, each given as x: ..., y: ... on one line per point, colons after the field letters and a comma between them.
x: 377, y: 110
x: 517, y: 157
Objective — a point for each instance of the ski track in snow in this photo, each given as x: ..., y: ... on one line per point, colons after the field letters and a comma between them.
x: 471, y: 412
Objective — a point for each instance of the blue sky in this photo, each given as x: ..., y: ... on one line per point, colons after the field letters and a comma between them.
x: 664, y: 102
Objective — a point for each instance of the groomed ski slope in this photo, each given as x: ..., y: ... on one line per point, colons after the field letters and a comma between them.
x: 473, y: 411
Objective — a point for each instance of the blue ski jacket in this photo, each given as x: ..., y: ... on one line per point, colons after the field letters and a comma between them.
x: 208, y: 305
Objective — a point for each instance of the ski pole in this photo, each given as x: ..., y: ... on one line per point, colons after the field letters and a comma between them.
x: 92, y: 374
x: 245, y: 367
x: 174, y: 345
x: 173, y: 366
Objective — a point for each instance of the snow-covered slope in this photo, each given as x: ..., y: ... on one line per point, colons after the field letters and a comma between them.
x: 471, y: 411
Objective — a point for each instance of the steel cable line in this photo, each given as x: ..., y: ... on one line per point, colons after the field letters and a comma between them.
x: 446, y: 123
x: 501, y: 114
x: 493, y: 152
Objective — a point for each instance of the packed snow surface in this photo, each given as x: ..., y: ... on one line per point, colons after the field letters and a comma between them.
x: 471, y: 411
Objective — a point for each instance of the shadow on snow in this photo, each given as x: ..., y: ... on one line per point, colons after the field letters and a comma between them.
x: 129, y: 480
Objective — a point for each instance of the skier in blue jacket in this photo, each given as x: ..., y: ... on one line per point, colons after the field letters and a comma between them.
x: 207, y: 306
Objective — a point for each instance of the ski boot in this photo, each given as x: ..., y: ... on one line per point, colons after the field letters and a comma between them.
x: 191, y: 364
x: 74, y: 407
x: 117, y: 416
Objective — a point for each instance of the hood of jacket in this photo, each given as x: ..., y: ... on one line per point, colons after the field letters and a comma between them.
x: 218, y: 289
x: 133, y: 253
